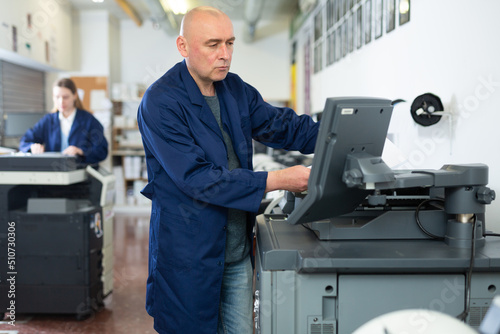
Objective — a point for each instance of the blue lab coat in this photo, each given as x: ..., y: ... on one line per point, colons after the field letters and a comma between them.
x: 86, y: 133
x: 191, y: 187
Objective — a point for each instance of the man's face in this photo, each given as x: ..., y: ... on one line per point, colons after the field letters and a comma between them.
x: 209, y: 48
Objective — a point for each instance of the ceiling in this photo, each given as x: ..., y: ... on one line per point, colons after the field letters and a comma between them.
x: 273, y: 9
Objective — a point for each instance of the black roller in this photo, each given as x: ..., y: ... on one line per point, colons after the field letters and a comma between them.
x: 429, y: 103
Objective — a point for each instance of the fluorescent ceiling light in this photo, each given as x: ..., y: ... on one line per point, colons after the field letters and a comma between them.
x: 175, y: 6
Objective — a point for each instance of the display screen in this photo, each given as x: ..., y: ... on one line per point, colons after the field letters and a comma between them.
x: 17, y: 123
x: 349, y: 125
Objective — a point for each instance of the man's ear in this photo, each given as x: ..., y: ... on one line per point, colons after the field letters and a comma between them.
x: 182, y: 46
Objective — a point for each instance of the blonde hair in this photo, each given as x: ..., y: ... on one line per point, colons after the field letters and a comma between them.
x: 70, y: 84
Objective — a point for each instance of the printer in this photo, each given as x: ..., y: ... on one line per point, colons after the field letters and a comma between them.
x: 366, y: 240
x: 56, y: 251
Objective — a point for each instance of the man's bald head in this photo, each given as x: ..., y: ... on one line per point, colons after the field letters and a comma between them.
x: 197, y: 15
x: 206, y: 42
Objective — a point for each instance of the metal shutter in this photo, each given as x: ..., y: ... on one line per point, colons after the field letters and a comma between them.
x: 22, y: 90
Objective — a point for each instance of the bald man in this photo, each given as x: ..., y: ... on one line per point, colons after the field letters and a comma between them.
x: 197, y: 124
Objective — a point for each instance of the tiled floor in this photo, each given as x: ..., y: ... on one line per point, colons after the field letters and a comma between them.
x: 124, y: 308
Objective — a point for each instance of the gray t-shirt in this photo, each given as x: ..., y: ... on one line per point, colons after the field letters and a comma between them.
x: 237, y: 241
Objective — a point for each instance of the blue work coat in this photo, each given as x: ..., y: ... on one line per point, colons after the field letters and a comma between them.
x: 86, y: 133
x: 191, y: 187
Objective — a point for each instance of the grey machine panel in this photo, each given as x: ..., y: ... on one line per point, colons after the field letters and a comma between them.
x: 333, y: 260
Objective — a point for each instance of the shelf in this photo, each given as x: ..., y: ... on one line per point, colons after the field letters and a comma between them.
x: 128, y: 152
x: 16, y: 58
x: 129, y: 147
x: 136, y: 179
x: 143, y: 209
x: 135, y: 127
x: 127, y: 100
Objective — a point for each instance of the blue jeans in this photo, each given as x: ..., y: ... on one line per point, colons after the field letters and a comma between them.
x: 235, y: 310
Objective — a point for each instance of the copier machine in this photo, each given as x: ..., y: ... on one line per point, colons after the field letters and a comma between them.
x: 366, y: 240
x: 56, y: 251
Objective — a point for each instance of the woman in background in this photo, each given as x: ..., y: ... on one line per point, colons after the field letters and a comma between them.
x: 69, y: 129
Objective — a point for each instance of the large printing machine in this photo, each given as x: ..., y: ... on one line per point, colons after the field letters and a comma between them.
x: 56, y: 251
x: 366, y: 240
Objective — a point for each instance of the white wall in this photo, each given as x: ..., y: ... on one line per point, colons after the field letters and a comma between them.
x: 448, y: 48
x: 264, y: 63
x: 50, y: 22
x: 148, y: 53
x: 114, y: 50
x: 94, y: 43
